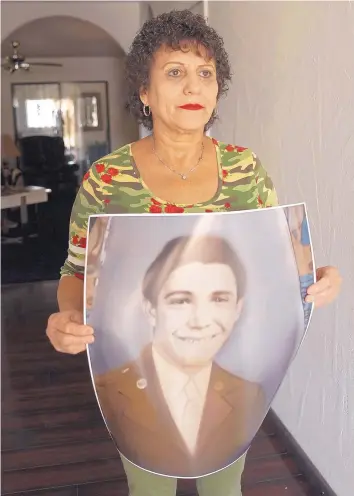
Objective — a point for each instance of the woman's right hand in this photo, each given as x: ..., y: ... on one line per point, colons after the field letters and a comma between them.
x: 67, y: 332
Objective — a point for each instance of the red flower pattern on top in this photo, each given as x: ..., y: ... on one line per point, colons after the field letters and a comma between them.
x: 109, y: 170
x: 106, y: 178
x: 155, y: 209
x: 100, y: 168
x: 79, y: 242
x: 173, y: 209
x: 82, y: 243
x: 231, y: 148
x: 112, y: 171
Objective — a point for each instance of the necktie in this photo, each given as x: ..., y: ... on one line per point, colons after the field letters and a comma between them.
x: 192, y: 414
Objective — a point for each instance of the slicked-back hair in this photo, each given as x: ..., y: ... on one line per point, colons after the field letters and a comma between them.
x: 188, y: 249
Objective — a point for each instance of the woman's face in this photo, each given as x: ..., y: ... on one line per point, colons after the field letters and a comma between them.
x: 183, y: 89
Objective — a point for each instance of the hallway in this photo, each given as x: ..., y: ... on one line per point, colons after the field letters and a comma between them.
x: 54, y: 441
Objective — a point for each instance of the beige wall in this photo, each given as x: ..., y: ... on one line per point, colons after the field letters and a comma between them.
x: 123, y: 128
x: 160, y: 6
x: 293, y: 101
x: 121, y: 20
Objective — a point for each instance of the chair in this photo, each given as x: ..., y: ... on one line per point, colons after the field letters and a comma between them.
x: 44, y: 163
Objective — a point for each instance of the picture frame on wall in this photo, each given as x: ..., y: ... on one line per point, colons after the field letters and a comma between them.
x: 91, y: 112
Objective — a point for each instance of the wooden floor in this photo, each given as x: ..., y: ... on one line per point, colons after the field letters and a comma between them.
x: 54, y: 441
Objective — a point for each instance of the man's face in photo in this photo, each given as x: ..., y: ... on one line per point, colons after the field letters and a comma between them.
x: 195, y: 313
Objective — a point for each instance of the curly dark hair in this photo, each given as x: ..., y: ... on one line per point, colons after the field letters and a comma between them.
x: 172, y: 29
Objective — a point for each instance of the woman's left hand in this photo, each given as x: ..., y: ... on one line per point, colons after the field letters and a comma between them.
x: 327, y: 287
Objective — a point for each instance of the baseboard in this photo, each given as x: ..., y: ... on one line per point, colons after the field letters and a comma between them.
x: 316, y: 480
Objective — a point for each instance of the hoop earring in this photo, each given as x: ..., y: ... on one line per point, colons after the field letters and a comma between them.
x: 146, y: 112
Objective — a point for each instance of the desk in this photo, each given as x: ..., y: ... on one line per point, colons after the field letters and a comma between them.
x: 21, y: 198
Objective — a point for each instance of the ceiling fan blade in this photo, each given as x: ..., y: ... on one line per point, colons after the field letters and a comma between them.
x: 47, y: 64
x: 8, y: 67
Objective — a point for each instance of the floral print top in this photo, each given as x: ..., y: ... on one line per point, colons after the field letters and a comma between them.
x: 113, y: 185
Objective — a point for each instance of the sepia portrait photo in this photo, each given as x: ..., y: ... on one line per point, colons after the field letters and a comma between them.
x: 196, y: 319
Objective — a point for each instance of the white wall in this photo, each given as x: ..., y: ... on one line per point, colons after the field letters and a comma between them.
x: 293, y: 101
x: 121, y: 20
x: 123, y: 128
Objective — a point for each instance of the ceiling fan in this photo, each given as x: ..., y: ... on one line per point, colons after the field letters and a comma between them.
x: 16, y: 61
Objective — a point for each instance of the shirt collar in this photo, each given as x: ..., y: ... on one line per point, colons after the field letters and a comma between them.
x: 173, y: 379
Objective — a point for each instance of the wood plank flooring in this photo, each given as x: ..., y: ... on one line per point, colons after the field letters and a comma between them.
x: 54, y: 441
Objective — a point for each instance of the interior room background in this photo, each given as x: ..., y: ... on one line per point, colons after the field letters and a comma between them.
x: 292, y: 102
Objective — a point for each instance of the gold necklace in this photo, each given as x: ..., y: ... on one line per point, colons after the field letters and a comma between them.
x: 182, y: 175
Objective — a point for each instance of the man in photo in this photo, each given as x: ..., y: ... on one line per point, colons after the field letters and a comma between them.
x: 174, y: 410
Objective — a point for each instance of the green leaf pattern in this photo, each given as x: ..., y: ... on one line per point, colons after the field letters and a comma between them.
x: 243, y: 185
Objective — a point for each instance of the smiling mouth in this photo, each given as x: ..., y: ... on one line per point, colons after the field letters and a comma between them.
x: 192, y: 106
x: 188, y: 339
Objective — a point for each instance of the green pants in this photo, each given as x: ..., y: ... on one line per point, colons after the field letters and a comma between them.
x: 226, y: 482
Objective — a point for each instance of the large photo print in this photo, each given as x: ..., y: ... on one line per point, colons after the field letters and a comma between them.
x: 197, y: 319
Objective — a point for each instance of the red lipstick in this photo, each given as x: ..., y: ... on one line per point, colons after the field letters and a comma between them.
x: 191, y: 106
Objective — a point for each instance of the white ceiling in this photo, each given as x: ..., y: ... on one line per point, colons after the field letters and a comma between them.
x: 62, y: 37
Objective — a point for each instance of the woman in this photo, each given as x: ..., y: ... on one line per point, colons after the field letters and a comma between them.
x: 177, y: 70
